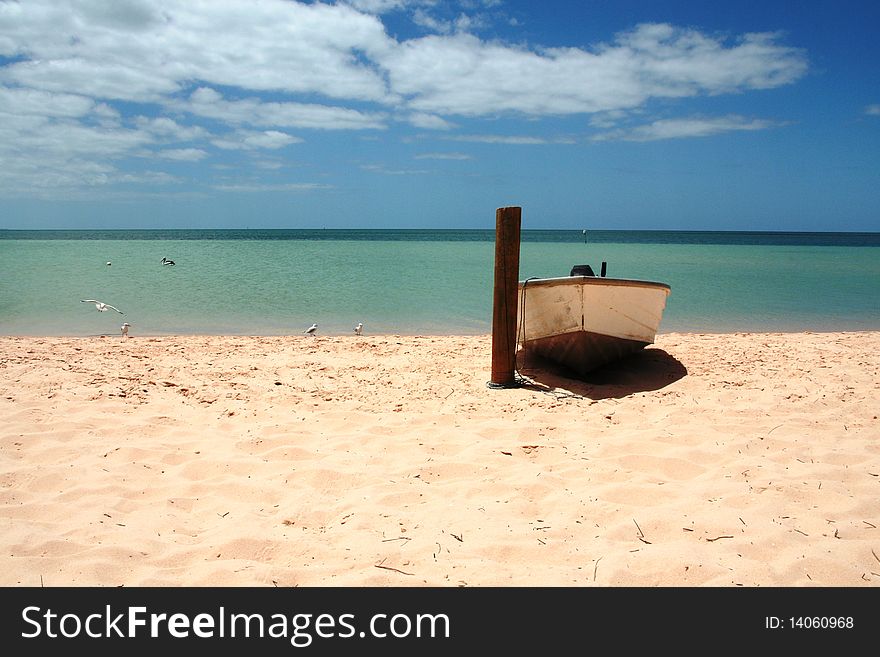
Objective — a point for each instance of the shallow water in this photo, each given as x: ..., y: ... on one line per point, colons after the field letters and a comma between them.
x: 417, y: 281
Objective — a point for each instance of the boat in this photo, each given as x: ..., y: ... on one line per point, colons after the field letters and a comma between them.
x: 583, y: 321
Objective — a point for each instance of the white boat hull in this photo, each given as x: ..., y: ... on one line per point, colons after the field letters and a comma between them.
x: 584, y: 322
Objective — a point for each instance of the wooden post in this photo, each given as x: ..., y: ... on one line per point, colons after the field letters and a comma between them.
x: 504, y: 307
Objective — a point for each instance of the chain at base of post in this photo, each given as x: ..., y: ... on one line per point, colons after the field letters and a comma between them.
x: 516, y: 383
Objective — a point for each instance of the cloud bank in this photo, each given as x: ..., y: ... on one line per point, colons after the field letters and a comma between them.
x: 87, y: 84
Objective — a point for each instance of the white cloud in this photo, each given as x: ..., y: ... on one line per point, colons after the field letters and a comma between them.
x: 149, y: 52
x: 209, y: 103
x: 169, y: 129
x: 250, y: 140
x: 63, y: 139
x: 429, y: 121
x: 147, y: 177
x: 377, y: 6
x: 429, y: 22
x: 183, y: 154
x: 41, y: 178
x: 381, y: 168
x: 686, y: 127
x: 443, y: 156
x: 516, y: 140
x: 464, y: 75
x: 872, y: 110
x: 266, y: 45
x: 31, y: 102
x: 261, y: 187
x: 86, y: 85
x: 605, y: 120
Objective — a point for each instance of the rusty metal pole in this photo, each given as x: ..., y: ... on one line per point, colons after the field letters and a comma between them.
x: 504, y: 307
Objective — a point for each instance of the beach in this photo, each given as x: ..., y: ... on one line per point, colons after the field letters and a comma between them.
x: 731, y: 459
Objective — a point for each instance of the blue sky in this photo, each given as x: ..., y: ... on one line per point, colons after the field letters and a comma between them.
x: 605, y: 114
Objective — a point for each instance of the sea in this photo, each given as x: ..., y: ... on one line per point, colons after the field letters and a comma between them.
x: 417, y: 281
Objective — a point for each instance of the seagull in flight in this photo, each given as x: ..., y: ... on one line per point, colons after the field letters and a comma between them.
x: 358, y: 329
x: 311, y: 330
x: 101, y: 306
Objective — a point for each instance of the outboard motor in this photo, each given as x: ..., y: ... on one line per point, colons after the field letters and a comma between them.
x: 582, y: 270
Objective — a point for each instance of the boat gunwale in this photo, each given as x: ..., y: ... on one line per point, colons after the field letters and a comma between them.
x: 592, y: 280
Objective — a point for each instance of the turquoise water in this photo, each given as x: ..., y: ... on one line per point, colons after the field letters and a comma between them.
x: 254, y: 282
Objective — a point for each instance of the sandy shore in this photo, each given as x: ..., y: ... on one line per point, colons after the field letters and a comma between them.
x: 706, y: 460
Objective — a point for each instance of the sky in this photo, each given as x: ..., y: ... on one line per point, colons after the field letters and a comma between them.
x: 590, y: 114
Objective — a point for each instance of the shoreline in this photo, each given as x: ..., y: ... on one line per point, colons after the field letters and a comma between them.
x: 707, y: 459
x: 416, y: 334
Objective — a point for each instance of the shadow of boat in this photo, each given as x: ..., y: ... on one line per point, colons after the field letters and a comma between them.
x: 648, y: 369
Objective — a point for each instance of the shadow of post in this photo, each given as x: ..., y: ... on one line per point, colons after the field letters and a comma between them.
x: 648, y: 369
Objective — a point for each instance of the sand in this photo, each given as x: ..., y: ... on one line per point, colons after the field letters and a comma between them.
x: 705, y: 460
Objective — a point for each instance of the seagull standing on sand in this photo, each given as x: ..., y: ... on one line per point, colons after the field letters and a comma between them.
x: 101, y: 306
x: 311, y: 330
x: 358, y: 329
x: 124, y: 328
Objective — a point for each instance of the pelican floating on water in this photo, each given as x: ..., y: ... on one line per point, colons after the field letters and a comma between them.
x: 101, y: 306
x: 166, y: 261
